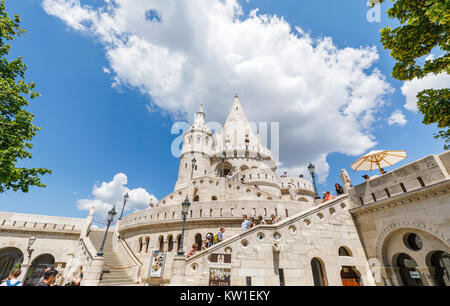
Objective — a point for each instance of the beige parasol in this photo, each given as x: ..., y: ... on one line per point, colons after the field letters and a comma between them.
x: 378, y: 159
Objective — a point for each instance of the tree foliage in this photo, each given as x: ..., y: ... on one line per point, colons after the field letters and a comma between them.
x: 424, y: 28
x: 16, y: 123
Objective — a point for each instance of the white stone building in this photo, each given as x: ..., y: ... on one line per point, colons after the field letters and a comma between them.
x: 390, y: 230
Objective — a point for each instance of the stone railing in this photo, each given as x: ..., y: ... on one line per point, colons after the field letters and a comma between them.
x: 224, y: 191
x: 126, y: 255
x: 329, y: 207
x: 209, y: 212
x: 86, y: 256
x: 414, y: 176
x: 36, y: 223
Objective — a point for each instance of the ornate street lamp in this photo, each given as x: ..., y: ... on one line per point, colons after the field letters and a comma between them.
x: 111, y: 215
x: 311, y: 169
x: 31, y: 240
x: 184, y: 211
x: 125, y: 199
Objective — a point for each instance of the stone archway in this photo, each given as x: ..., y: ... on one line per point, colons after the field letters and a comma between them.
x: 415, y: 241
x: 37, y: 269
x: 438, y: 263
x: 9, y: 258
x: 407, y: 272
x: 227, y: 169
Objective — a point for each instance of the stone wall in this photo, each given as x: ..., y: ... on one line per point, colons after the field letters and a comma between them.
x: 290, y: 245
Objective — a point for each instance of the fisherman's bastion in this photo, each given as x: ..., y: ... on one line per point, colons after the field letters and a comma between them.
x: 392, y: 230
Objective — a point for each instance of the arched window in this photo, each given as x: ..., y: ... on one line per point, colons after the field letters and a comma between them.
x: 140, y: 244
x: 198, y: 241
x: 9, y: 258
x: 197, y: 198
x: 147, y: 243
x: 161, y: 243
x: 37, y: 269
x: 207, y: 141
x: 407, y: 270
x: 244, y: 167
x: 344, y: 251
x: 439, y: 266
x: 178, y: 242
x: 318, y: 272
x: 170, y: 243
x: 214, y: 198
x: 198, y: 140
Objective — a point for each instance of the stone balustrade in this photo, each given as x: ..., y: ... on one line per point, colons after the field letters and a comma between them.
x: 424, y: 172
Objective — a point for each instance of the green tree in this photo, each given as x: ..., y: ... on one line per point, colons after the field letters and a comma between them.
x: 16, y: 124
x: 424, y: 28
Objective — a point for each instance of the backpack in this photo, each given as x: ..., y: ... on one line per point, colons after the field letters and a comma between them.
x: 215, y: 238
x: 8, y: 283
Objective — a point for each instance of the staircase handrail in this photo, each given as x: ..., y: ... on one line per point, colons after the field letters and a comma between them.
x: 284, y: 222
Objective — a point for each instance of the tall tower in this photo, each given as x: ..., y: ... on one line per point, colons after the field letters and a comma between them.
x: 197, y: 142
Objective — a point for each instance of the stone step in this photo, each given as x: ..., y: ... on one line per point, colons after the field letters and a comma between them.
x: 119, y: 284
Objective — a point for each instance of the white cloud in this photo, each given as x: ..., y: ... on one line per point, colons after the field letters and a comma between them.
x: 203, y: 51
x: 105, y: 195
x: 410, y: 89
x: 397, y: 117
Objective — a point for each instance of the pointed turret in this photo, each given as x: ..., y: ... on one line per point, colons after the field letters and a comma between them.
x: 199, y: 121
x: 197, y: 143
x: 236, y: 114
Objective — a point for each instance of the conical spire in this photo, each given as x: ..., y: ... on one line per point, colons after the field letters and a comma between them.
x: 199, y: 121
x: 236, y: 113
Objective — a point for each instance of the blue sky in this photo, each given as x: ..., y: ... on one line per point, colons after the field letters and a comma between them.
x: 92, y: 131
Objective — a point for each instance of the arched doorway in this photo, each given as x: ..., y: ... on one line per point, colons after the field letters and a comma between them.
x: 349, y: 277
x: 439, y: 266
x: 227, y: 169
x: 9, y: 258
x: 407, y: 270
x: 318, y: 272
x: 37, y: 269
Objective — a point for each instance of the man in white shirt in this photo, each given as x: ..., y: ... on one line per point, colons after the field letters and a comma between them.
x: 245, y: 224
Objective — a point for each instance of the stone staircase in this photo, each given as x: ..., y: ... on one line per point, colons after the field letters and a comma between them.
x: 110, y: 277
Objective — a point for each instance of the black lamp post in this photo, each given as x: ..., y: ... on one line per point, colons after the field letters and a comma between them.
x: 184, y: 211
x: 125, y: 199
x: 111, y: 215
x: 311, y: 169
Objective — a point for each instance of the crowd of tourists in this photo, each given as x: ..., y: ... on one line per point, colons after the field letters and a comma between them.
x: 207, y: 243
x: 48, y: 279
x: 251, y: 222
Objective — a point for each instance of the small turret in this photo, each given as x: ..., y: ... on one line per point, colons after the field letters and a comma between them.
x: 197, y: 142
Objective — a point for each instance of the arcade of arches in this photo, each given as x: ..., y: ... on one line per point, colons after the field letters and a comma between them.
x: 416, y: 258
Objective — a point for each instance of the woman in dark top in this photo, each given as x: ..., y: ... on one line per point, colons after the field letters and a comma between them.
x: 339, y: 189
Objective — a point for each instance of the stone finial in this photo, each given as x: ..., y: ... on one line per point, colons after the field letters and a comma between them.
x: 91, y: 212
x: 346, y: 181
